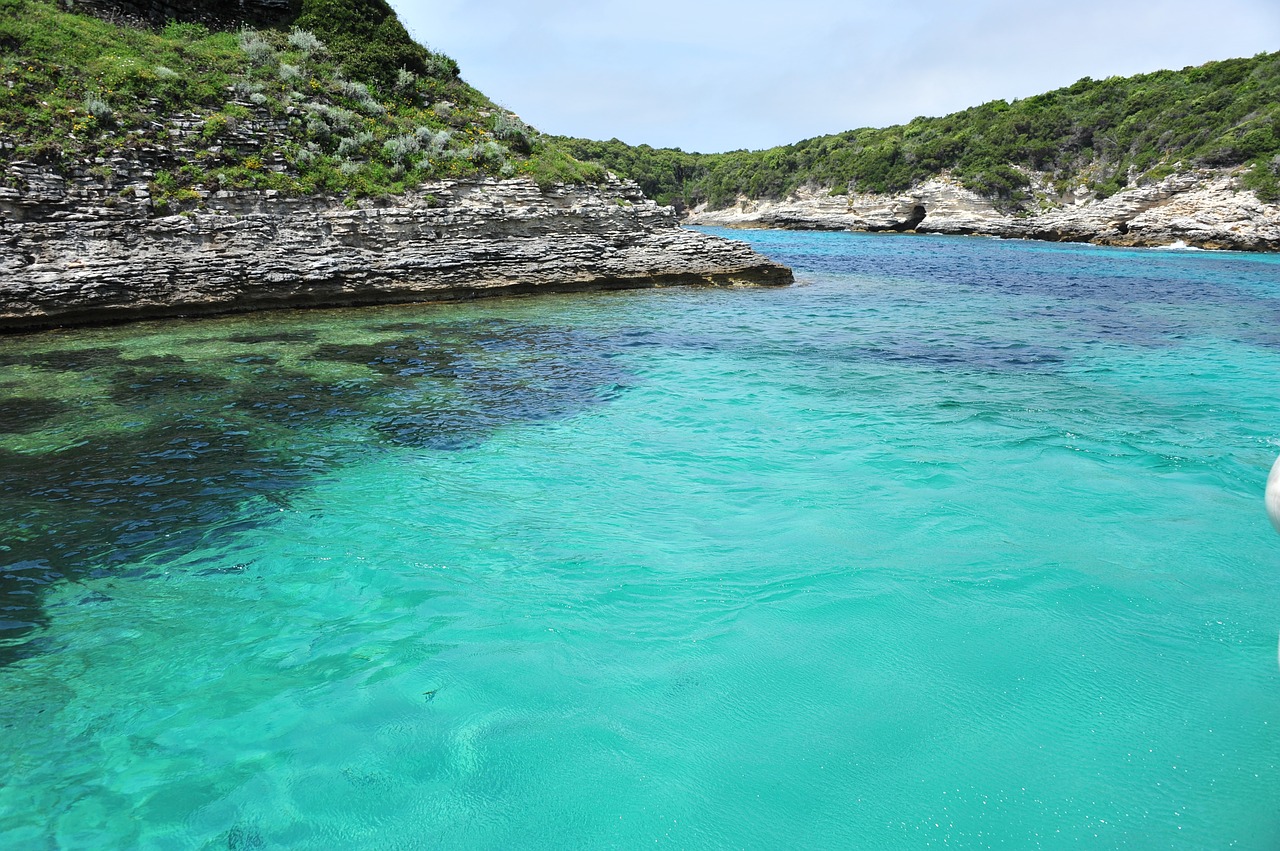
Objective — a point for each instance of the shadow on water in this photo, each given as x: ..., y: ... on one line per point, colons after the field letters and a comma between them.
x: 116, y: 456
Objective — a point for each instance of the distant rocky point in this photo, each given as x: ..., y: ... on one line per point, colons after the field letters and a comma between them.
x: 1203, y: 208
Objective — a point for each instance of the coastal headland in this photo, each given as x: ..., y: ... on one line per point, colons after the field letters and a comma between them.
x: 196, y: 156
x: 1202, y: 208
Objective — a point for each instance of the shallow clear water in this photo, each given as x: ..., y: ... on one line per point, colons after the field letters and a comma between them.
x: 957, y: 542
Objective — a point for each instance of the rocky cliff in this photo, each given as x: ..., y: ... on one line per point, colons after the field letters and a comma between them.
x: 185, y: 169
x: 1204, y: 209
x: 86, y: 249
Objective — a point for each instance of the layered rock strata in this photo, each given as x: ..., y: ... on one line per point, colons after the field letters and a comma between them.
x: 94, y: 248
x: 1204, y: 209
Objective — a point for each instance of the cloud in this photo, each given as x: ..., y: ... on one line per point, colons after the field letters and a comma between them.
x: 721, y: 75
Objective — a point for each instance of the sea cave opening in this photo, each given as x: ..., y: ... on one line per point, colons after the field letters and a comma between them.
x: 912, y: 221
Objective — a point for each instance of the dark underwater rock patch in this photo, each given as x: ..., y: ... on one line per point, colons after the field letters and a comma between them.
x: 136, y: 386
x: 61, y: 360
x: 154, y: 361
x: 274, y: 336
x: 214, y: 436
x: 22, y: 414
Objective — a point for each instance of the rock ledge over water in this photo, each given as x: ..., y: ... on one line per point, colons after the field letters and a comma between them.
x: 76, y: 250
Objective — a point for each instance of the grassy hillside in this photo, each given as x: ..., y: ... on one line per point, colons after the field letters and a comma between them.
x: 351, y: 103
x: 1102, y: 133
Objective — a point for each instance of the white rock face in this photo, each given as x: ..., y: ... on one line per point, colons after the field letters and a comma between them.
x: 80, y: 251
x: 1204, y: 209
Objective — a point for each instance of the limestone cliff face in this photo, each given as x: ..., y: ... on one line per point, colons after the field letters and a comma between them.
x: 1204, y: 209
x: 88, y: 249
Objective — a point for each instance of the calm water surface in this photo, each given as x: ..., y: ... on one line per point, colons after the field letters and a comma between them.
x: 957, y: 543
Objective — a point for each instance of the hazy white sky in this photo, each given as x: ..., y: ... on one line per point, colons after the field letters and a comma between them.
x: 720, y: 75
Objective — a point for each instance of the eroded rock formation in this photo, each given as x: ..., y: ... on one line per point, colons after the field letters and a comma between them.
x: 1205, y: 209
x: 94, y: 247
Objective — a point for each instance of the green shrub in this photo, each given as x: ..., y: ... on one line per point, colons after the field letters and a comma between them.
x: 352, y: 145
x: 1264, y: 179
x: 441, y: 67
x: 305, y: 41
x: 185, y: 31
x: 215, y: 126
x: 401, y: 148
x: 513, y: 131
x: 99, y: 109
x: 164, y: 181
x: 260, y: 53
x: 551, y: 164
x: 434, y: 142
x: 405, y: 79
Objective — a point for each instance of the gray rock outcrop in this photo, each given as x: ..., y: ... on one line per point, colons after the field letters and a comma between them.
x: 1203, y: 209
x: 95, y: 247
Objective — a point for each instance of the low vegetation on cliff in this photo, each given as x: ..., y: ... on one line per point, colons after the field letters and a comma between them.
x: 337, y: 99
x: 1103, y: 134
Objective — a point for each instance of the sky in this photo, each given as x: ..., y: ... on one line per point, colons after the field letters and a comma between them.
x: 717, y: 75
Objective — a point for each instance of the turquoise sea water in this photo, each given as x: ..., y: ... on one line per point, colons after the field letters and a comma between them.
x: 957, y: 542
